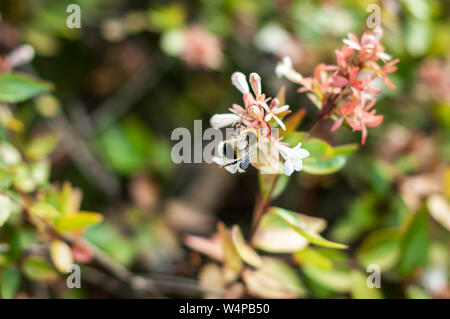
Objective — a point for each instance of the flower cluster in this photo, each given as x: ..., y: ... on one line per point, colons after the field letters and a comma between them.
x: 343, y: 91
x: 201, y: 48
x: 260, y: 114
x: 434, y: 76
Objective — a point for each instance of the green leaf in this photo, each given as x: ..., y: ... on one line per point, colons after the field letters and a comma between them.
x: 44, y: 210
x: 266, y: 183
x: 119, y: 151
x: 110, y: 240
x: 275, y: 235
x: 15, y: 88
x: 79, y: 221
x: 416, y: 292
x: 6, y: 178
x: 420, y: 9
x: 69, y: 200
x: 347, y: 149
x: 324, y: 159
x: 38, y: 269
x: 294, y: 138
x: 167, y: 17
x: 414, y: 243
x: 302, y: 228
x: 360, y: 217
x: 331, y: 279
x: 360, y: 289
x: 21, y: 239
x: 311, y: 256
x: 381, y: 248
x: 41, y: 146
x: 23, y: 180
x: 244, y: 250
x: 9, y: 282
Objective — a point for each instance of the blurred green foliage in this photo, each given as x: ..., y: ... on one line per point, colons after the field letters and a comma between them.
x: 97, y: 105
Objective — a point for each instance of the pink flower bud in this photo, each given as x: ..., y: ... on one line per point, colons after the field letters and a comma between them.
x: 255, y: 82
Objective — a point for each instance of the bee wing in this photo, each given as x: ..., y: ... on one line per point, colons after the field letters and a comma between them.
x: 221, y: 161
x: 232, y: 168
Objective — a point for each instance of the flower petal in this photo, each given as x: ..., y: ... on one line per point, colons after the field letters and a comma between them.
x: 298, y: 165
x: 21, y: 55
x: 222, y: 120
x: 255, y: 82
x: 280, y: 122
x: 239, y: 81
x: 302, y: 153
x: 288, y: 168
x: 337, y: 124
x: 281, y: 109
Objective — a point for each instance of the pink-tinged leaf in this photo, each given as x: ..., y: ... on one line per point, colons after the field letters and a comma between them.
x: 294, y: 120
x: 231, y: 257
x: 244, y: 250
x: 274, y: 279
x: 276, y: 236
x: 211, y: 247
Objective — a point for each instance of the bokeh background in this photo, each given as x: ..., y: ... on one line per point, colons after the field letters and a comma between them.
x: 136, y: 70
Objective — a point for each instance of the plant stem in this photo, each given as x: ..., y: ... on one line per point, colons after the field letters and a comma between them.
x: 262, y: 203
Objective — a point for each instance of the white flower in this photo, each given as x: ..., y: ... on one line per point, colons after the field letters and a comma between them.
x: 434, y: 279
x: 272, y: 38
x: 222, y: 120
x: 21, y: 55
x: 285, y: 68
x: 293, y: 158
x: 272, y: 113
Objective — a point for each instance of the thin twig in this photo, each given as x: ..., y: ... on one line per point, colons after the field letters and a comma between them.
x: 88, y: 164
x: 262, y: 203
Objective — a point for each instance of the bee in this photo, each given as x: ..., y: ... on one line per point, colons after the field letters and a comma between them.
x: 235, y: 154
